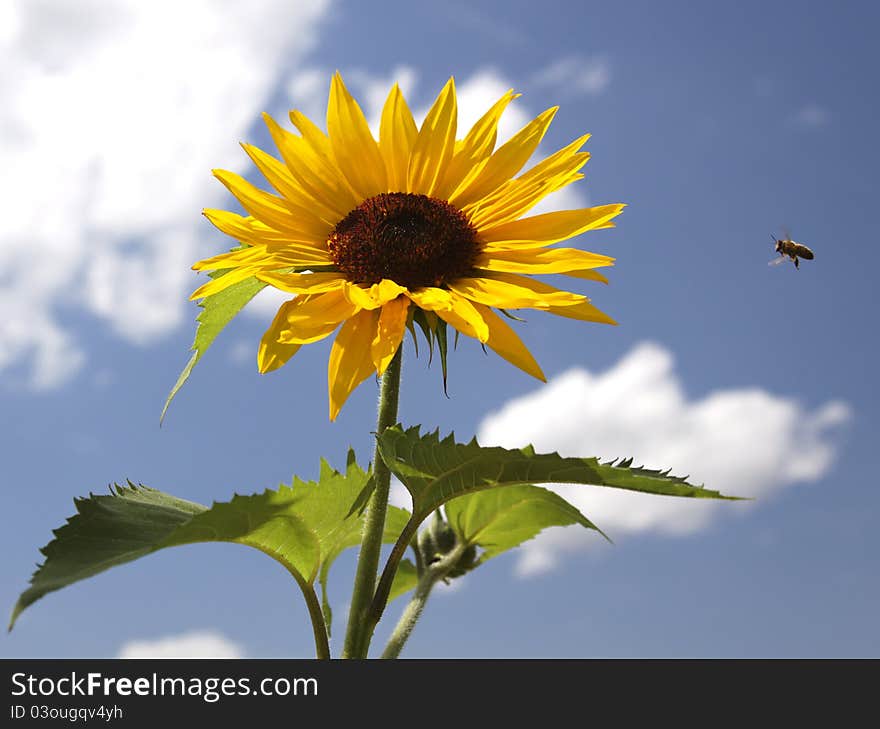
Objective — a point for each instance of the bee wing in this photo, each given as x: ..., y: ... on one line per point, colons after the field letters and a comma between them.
x: 776, y: 261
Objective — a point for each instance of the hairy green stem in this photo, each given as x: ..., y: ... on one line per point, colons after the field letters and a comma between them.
x: 413, y: 611
x: 316, y: 615
x: 383, y: 588
x: 357, y: 637
x: 319, y: 627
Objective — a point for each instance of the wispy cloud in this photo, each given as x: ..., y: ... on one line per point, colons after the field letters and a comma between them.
x: 195, y: 644
x: 744, y: 442
x: 470, y: 17
x: 812, y: 116
x: 575, y: 75
x: 112, y: 116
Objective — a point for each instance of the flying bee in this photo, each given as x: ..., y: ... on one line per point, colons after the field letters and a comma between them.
x: 792, y: 249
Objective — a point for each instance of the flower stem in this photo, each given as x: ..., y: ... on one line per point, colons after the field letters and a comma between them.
x: 383, y: 587
x: 319, y: 627
x: 357, y: 638
x: 316, y: 615
x: 431, y: 576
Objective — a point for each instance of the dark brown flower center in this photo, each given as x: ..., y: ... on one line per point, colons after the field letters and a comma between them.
x: 414, y: 240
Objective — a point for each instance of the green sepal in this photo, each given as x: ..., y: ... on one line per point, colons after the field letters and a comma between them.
x: 421, y: 317
x: 442, y: 350
x: 434, y: 330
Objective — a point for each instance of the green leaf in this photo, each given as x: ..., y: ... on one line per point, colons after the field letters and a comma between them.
x: 503, y: 518
x: 405, y: 579
x: 436, y: 471
x: 303, y: 526
x: 217, y: 311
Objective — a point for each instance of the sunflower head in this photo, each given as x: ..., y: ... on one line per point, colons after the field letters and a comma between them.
x: 365, y: 235
x: 414, y: 240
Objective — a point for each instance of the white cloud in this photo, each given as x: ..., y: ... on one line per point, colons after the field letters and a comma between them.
x: 307, y: 90
x: 195, y: 644
x: 477, y: 93
x: 575, y: 75
x: 111, y: 117
x: 812, y: 116
x: 399, y: 496
x: 743, y: 442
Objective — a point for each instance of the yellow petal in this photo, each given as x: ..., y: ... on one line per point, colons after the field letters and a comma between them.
x: 504, y: 341
x: 319, y: 141
x: 273, y: 354
x: 251, y: 231
x: 453, y: 309
x: 435, y: 144
x: 372, y: 297
x: 397, y: 135
x: 350, y: 358
x: 309, y: 319
x: 266, y: 258
x: 315, y: 171
x: 354, y: 149
x: 271, y: 209
x: 431, y: 298
x: 389, y: 333
x: 535, y: 261
x: 509, y: 291
x: 559, y: 161
x: 474, y: 148
x: 216, y: 285
x: 303, y: 283
x: 542, y: 230
x: 290, y: 256
x: 583, y: 311
x: 515, y: 198
x: 587, y: 275
x: 301, y: 203
x: 506, y: 161
x: 233, y: 259
x: 320, y: 146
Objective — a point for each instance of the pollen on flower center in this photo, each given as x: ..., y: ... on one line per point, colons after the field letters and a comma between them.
x: 414, y: 240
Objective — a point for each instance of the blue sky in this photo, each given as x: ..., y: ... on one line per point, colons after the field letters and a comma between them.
x: 717, y: 125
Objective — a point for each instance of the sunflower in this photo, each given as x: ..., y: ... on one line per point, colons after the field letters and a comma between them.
x: 369, y: 235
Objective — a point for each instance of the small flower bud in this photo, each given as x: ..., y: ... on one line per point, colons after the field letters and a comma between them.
x: 444, y: 537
